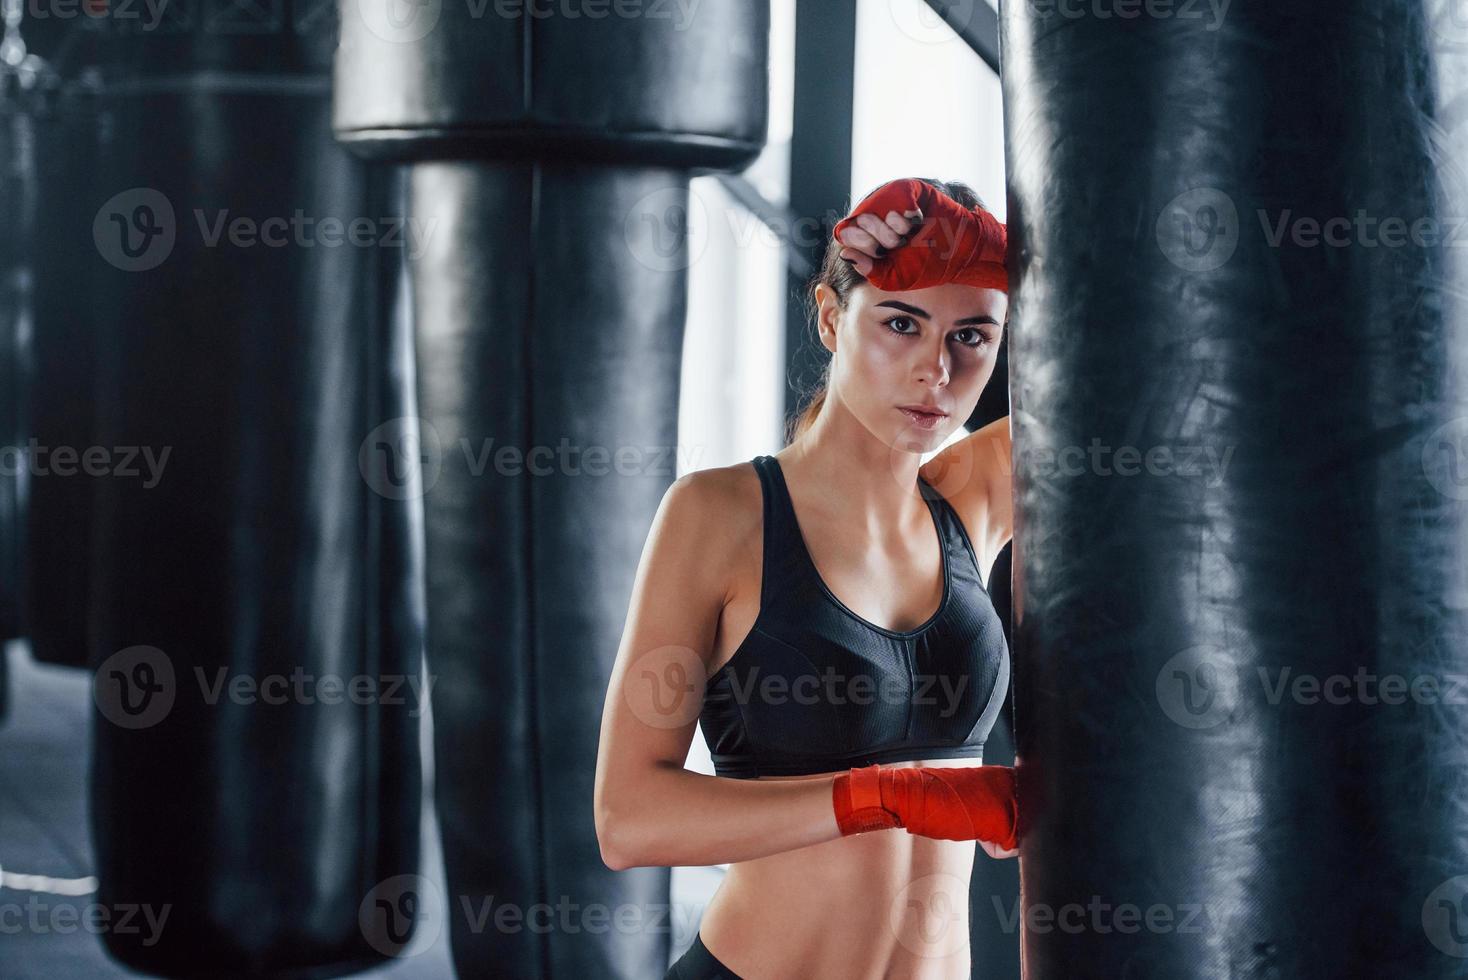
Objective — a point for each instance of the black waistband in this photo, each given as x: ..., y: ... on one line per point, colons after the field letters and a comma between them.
x: 699, y: 964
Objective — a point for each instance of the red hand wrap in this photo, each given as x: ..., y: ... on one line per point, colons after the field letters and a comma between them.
x: 857, y: 797
x: 977, y: 803
x: 954, y: 243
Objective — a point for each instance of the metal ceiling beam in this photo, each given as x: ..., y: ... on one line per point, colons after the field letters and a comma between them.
x: 974, y: 21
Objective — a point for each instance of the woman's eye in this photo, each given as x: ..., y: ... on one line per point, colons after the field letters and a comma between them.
x: 977, y: 338
x: 969, y: 336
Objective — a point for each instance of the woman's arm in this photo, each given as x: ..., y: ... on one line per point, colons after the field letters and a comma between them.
x: 975, y: 475
x: 649, y: 810
x: 979, y: 471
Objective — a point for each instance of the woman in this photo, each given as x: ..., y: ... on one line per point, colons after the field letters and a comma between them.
x: 847, y: 664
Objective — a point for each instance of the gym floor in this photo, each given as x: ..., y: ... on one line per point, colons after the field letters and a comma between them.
x: 43, y: 833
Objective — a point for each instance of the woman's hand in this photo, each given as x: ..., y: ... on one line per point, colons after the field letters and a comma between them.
x: 995, y: 851
x: 942, y: 802
x: 862, y: 245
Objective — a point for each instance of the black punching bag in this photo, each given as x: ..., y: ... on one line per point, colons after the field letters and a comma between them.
x: 255, y: 600
x: 552, y: 154
x: 994, y: 898
x: 1240, y: 338
x: 72, y: 135
x: 17, y: 216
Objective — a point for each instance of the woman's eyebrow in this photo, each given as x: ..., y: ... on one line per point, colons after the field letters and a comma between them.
x: 918, y: 311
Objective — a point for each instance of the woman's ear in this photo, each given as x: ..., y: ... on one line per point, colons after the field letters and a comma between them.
x: 828, y: 315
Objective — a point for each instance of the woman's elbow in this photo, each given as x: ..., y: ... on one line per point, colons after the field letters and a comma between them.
x: 630, y: 829
x: 611, y: 853
x: 612, y: 862
x: 616, y: 839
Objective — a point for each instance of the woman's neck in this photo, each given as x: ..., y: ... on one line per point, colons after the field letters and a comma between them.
x: 865, y: 484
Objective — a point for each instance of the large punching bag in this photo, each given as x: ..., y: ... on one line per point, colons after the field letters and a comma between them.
x: 255, y: 598
x: 73, y: 134
x: 17, y: 215
x: 550, y: 184
x: 17, y: 211
x: 1240, y: 392
x: 994, y: 885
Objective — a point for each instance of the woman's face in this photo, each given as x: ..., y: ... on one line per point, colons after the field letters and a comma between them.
x: 933, y: 347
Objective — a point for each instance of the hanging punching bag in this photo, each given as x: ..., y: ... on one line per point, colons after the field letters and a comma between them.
x: 72, y: 135
x: 551, y: 186
x: 1240, y: 338
x: 255, y: 766
x: 17, y: 215
x: 17, y: 211
x: 994, y: 885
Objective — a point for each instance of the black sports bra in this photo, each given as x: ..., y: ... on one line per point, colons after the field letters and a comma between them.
x: 815, y: 688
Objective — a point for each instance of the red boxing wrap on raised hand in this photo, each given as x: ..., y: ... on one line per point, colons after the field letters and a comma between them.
x: 977, y: 803
x: 954, y: 243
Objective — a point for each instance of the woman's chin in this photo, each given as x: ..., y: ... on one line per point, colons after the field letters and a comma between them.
x: 916, y: 439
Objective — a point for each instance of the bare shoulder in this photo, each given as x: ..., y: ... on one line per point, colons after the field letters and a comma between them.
x: 717, y: 497
x: 713, y: 512
x: 973, y: 475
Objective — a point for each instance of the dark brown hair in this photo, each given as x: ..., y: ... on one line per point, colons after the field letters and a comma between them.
x: 841, y: 278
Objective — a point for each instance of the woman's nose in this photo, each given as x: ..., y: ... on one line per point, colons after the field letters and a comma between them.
x: 933, y: 368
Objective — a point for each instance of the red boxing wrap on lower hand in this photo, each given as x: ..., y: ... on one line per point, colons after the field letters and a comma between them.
x: 953, y: 244
x: 977, y: 803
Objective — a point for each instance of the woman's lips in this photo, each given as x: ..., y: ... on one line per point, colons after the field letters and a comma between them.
x: 923, y: 420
